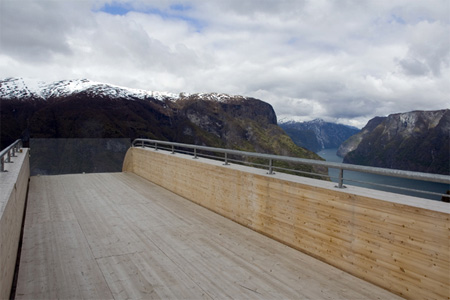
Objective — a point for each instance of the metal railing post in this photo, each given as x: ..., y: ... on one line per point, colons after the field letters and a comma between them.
x: 271, y: 167
x: 341, y: 179
x: 3, y: 164
x: 195, y: 153
x: 173, y: 149
x: 156, y: 146
x: 226, y: 159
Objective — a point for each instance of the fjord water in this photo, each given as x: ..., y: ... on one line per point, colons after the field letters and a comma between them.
x: 330, y: 155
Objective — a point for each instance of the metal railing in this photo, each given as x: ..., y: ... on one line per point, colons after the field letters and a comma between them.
x: 8, y: 152
x: 341, y: 167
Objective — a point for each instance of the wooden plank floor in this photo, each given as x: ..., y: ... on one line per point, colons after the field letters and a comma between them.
x: 116, y: 235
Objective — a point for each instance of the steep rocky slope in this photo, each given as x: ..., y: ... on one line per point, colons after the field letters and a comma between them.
x: 317, y: 134
x: 83, y: 109
x: 416, y: 141
x: 353, y: 141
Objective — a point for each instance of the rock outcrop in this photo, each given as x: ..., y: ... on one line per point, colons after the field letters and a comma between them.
x: 415, y: 141
x: 353, y: 141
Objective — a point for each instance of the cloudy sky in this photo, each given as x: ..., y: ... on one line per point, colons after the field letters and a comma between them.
x: 344, y: 61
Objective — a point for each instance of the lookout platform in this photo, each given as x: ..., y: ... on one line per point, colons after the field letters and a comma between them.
x: 117, y: 235
x: 176, y: 226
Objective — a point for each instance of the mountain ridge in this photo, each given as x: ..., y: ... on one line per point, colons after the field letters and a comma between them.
x: 20, y: 88
x: 105, y: 111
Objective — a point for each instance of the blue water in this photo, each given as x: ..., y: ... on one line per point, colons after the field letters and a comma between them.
x: 330, y: 155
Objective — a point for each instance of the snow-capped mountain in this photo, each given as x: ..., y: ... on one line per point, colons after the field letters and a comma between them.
x: 20, y: 88
x: 69, y: 109
x: 293, y: 120
x: 27, y: 88
x: 283, y: 119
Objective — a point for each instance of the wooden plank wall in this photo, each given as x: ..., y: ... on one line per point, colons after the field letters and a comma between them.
x: 404, y: 249
x: 14, y: 185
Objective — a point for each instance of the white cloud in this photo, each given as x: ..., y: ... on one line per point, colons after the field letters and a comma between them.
x: 343, y: 61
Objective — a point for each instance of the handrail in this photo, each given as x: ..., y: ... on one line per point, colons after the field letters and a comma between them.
x: 9, y: 152
x: 340, y: 166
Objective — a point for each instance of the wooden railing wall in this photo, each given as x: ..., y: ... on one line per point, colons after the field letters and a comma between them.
x: 373, y: 235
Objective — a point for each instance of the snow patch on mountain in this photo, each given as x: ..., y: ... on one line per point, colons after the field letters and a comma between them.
x: 26, y: 88
x: 20, y: 88
x: 214, y: 97
x: 282, y: 119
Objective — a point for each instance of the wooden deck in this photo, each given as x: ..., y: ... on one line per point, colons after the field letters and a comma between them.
x: 116, y: 235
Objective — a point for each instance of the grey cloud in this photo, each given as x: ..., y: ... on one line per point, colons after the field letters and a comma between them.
x: 260, y: 6
x: 351, y: 107
x: 413, y: 12
x: 37, y: 30
x: 123, y: 46
x: 414, y: 67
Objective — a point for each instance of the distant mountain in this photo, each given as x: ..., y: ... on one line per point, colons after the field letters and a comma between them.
x: 317, y: 134
x: 415, y: 141
x: 86, y: 109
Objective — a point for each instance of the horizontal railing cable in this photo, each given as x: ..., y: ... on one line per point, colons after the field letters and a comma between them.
x: 196, y: 151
